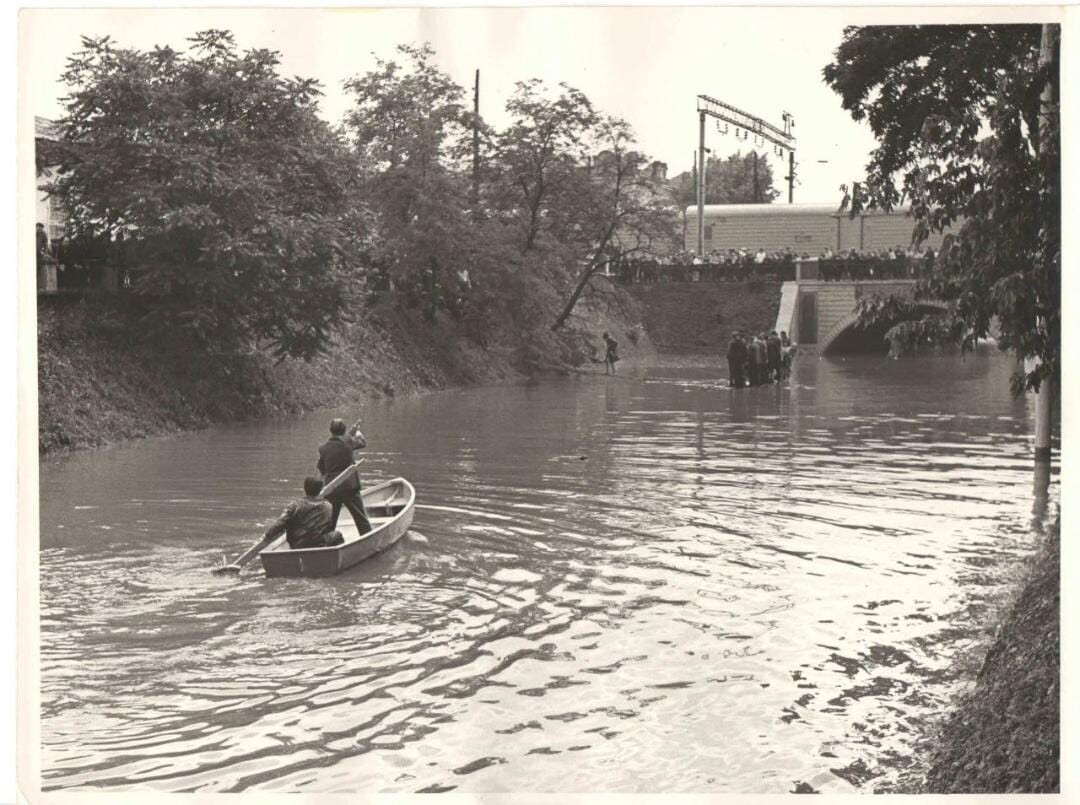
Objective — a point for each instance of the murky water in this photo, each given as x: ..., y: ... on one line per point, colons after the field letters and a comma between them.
x: 647, y: 583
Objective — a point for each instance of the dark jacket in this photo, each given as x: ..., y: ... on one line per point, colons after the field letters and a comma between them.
x: 755, y: 352
x: 303, y: 518
x: 773, y: 345
x: 336, y: 456
x: 736, y: 351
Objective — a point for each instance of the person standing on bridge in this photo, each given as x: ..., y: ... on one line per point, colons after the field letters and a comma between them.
x: 736, y: 361
x: 336, y: 456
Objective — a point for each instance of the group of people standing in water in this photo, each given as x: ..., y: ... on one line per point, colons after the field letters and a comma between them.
x: 754, y: 360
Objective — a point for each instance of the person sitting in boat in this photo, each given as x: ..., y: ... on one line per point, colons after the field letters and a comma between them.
x: 336, y: 456
x: 306, y: 522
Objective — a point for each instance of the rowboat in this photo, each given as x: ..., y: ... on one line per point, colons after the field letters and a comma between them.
x: 389, y: 507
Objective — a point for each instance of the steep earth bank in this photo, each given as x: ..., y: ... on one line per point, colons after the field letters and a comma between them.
x: 1003, y: 735
x: 100, y: 385
x: 701, y: 316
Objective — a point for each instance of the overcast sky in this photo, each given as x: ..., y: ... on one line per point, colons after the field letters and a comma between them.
x: 644, y: 64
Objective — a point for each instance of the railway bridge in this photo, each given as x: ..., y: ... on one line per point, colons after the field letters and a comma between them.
x: 822, y: 314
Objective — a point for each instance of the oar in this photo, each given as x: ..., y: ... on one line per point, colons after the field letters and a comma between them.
x: 236, y: 566
x: 243, y: 558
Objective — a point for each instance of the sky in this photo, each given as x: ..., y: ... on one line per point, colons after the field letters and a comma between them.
x: 644, y: 64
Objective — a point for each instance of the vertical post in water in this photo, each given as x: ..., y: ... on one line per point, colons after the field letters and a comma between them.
x: 701, y: 188
x: 475, y: 200
x: 1045, y: 396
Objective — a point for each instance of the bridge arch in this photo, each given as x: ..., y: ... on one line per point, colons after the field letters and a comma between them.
x: 846, y: 325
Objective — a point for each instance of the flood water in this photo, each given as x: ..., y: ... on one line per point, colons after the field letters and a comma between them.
x: 642, y: 583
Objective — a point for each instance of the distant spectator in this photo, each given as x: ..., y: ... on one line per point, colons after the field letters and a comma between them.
x: 41, y: 238
x: 774, y: 357
x: 611, y: 353
x: 736, y: 358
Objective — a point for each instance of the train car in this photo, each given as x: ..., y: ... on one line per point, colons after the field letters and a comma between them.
x: 809, y: 228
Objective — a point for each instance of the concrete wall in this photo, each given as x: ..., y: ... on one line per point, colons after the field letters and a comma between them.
x: 836, y: 303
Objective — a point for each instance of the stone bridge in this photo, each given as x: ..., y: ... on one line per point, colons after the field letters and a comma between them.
x: 822, y: 314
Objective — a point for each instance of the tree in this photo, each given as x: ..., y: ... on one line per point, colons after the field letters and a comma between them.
x: 573, y: 189
x: 234, y: 194
x: 728, y: 181
x: 407, y: 126
x: 539, y: 156
x: 621, y: 209
x: 967, y: 123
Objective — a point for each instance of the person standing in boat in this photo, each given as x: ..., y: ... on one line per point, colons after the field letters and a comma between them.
x: 336, y: 456
x: 306, y: 521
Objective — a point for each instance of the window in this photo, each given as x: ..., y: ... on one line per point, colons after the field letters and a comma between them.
x: 708, y: 231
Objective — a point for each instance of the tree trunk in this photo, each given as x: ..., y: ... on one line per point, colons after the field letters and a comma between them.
x: 579, y: 288
x: 433, y: 290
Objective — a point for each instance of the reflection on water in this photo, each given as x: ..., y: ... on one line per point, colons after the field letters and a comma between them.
x: 645, y: 583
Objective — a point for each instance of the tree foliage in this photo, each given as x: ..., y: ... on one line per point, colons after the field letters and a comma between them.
x: 728, y: 180
x: 967, y: 122
x: 620, y: 210
x: 407, y: 126
x: 574, y: 189
x: 234, y: 195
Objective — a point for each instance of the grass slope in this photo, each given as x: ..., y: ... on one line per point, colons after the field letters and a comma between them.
x: 701, y: 316
x: 1003, y: 736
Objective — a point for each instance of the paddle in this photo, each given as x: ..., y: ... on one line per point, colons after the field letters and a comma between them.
x: 237, y: 565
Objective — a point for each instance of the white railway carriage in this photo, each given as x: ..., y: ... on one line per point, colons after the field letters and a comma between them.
x: 809, y: 228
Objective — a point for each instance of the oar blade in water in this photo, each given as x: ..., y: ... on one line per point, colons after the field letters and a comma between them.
x: 232, y: 570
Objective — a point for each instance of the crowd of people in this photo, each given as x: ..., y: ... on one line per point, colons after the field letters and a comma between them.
x: 731, y: 265
x: 735, y: 265
x: 81, y: 262
x: 892, y: 263
x: 754, y: 360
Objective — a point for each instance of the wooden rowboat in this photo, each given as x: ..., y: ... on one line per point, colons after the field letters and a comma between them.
x: 389, y: 508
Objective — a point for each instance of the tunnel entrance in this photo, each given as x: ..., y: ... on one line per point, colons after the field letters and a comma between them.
x: 855, y: 339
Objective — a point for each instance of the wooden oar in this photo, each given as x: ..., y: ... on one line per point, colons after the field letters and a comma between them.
x: 244, y: 558
x: 237, y: 565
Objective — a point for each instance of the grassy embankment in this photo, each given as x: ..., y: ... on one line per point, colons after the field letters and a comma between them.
x: 99, y: 385
x: 1003, y: 734
x: 701, y: 316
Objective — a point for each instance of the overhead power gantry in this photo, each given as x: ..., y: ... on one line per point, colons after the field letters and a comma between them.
x: 746, y: 125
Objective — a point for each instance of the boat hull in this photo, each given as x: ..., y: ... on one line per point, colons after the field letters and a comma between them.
x: 390, y: 507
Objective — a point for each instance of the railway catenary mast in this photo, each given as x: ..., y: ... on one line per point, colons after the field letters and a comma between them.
x: 748, y: 124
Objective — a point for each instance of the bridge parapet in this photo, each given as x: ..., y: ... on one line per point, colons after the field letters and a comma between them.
x: 815, y: 311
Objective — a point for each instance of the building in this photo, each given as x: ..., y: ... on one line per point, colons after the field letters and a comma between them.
x: 809, y: 228
x: 47, y: 210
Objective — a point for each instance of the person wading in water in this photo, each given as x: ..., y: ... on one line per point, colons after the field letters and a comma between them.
x: 336, y: 456
x: 611, y: 356
x: 736, y: 359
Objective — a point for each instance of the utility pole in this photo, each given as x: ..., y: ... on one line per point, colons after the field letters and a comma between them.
x: 1044, y: 401
x: 475, y: 200
x: 757, y: 186
x: 701, y: 187
x: 749, y: 124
